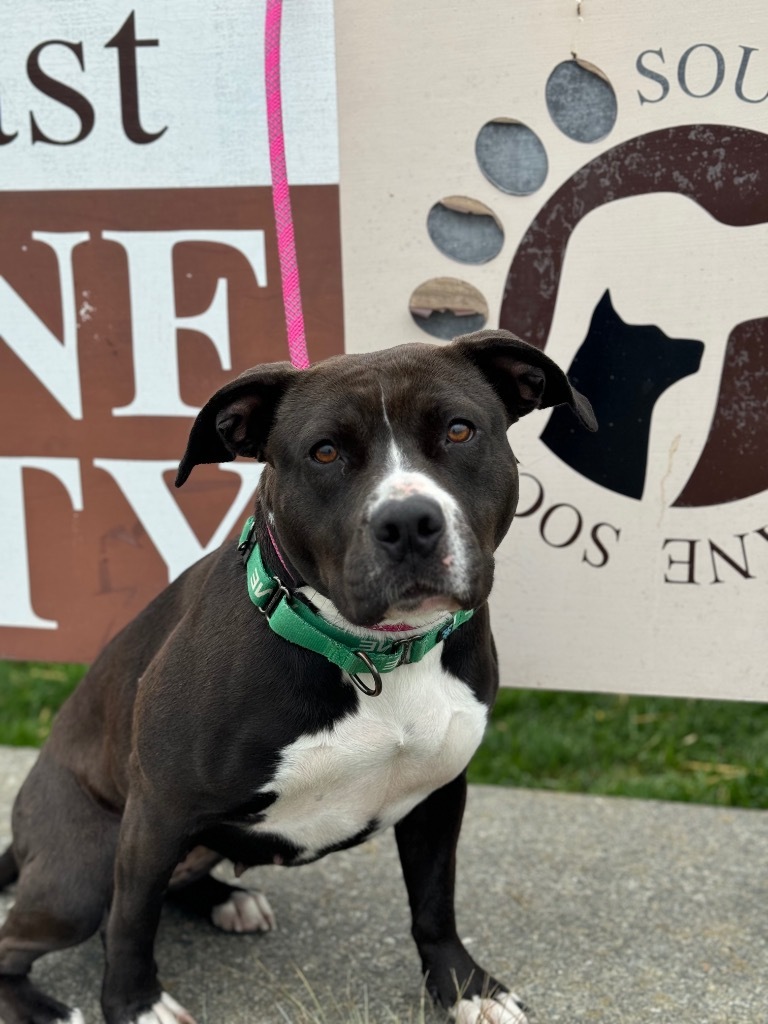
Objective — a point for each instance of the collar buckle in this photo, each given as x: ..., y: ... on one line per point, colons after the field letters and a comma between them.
x: 280, y: 592
x: 404, y: 646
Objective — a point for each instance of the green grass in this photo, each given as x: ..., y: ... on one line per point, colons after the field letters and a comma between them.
x: 700, y: 751
x: 694, y: 750
x: 31, y: 693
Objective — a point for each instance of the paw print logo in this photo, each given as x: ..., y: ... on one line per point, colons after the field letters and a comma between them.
x: 724, y: 170
x: 582, y: 104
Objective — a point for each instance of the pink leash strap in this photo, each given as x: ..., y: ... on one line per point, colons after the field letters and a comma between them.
x: 281, y: 196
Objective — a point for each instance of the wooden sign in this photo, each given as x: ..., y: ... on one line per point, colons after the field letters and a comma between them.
x: 594, y: 177
x: 138, y: 273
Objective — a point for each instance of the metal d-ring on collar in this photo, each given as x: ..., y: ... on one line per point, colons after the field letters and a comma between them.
x: 369, y: 691
x: 281, y: 591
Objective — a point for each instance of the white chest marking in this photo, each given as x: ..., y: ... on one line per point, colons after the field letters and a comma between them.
x: 378, y: 763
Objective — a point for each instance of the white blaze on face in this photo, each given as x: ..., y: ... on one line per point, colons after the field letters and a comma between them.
x: 399, y: 482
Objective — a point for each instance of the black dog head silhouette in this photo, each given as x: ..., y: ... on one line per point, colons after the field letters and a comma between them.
x: 624, y: 368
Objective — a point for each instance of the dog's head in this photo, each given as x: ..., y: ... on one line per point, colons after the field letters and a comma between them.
x: 389, y: 474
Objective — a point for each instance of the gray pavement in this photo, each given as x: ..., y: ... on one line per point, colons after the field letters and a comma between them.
x: 598, y: 910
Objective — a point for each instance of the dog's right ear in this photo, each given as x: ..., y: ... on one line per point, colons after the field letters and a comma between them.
x: 523, y: 377
x: 238, y: 418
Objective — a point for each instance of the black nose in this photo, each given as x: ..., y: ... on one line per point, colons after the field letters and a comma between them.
x: 413, y: 525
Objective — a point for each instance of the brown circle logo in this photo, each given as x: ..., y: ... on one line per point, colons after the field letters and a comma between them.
x: 722, y: 169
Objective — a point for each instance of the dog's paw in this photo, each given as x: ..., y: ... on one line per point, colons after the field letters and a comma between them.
x: 166, y: 1011
x: 504, y: 1008
x: 75, y: 1017
x: 244, y: 912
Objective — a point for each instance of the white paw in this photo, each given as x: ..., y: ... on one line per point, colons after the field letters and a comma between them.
x: 75, y: 1017
x: 166, y: 1011
x: 502, y: 1009
x: 244, y: 912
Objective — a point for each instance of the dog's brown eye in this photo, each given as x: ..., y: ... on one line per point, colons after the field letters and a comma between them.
x: 325, y: 452
x: 459, y: 431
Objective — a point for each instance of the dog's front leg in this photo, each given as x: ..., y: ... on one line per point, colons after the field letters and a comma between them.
x: 426, y: 841
x: 149, y: 848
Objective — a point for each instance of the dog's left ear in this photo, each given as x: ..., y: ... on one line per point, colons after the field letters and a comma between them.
x: 238, y: 418
x: 522, y: 375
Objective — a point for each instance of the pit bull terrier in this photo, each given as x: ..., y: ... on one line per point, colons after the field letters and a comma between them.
x: 296, y: 693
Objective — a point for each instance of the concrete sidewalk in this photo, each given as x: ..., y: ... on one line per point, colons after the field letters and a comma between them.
x: 598, y: 910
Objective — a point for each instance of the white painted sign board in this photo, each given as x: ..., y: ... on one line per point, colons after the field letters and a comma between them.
x: 622, y: 149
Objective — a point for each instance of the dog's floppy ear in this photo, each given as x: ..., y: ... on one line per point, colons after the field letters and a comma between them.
x: 522, y: 375
x: 237, y: 419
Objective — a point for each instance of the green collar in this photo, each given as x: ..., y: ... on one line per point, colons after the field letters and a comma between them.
x: 293, y: 619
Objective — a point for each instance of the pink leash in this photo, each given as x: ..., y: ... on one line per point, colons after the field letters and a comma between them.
x: 281, y: 199
x: 281, y: 196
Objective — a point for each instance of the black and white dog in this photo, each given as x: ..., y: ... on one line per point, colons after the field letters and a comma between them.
x: 205, y: 730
